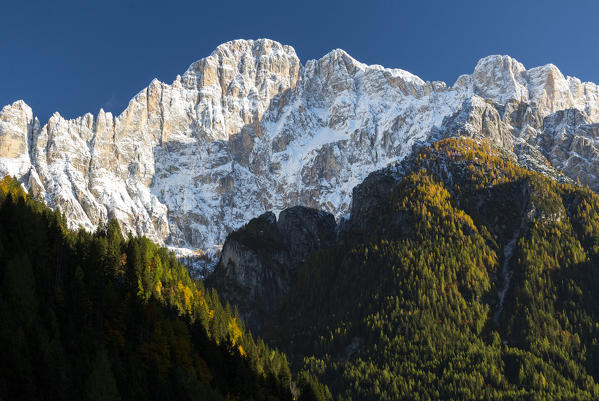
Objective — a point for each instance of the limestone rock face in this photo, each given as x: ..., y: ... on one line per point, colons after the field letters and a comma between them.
x: 561, y: 144
x: 16, y: 121
x: 259, y: 262
x: 16, y: 127
x: 500, y: 78
x: 569, y: 141
x: 249, y: 129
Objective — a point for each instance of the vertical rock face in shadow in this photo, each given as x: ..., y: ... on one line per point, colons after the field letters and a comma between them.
x: 259, y: 261
x: 249, y: 129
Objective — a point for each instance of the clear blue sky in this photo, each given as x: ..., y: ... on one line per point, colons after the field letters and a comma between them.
x: 78, y: 56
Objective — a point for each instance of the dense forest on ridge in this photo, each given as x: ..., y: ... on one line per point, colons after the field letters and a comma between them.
x: 475, y: 280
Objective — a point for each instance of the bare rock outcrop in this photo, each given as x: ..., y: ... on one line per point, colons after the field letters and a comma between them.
x: 259, y: 262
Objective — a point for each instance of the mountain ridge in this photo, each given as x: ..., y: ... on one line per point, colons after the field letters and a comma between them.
x: 469, y: 278
x: 249, y: 129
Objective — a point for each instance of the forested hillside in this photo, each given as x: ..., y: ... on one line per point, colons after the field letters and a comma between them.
x: 95, y: 316
x: 475, y: 279
x: 469, y: 278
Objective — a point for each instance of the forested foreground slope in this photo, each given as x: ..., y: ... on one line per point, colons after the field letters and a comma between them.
x: 473, y: 279
x: 95, y: 316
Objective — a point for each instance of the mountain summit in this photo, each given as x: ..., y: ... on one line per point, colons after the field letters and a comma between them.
x: 249, y: 129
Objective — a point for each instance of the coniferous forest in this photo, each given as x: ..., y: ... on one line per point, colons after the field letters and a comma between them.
x: 95, y: 316
x: 475, y: 279
x: 411, y: 308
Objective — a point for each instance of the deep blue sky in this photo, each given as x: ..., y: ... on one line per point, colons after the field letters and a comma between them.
x: 78, y: 56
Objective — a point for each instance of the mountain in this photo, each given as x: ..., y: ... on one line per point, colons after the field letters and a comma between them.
x: 249, y: 129
x: 458, y: 275
x: 259, y: 262
x: 94, y: 316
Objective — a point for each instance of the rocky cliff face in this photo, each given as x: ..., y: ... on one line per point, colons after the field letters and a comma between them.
x: 259, y: 262
x: 250, y: 129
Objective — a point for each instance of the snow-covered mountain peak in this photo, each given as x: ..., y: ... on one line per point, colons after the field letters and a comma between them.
x: 499, y: 64
x: 249, y: 129
x: 340, y: 58
x: 500, y: 78
x: 258, y: 59
x: 258, y: 48
x: 18, y: 105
